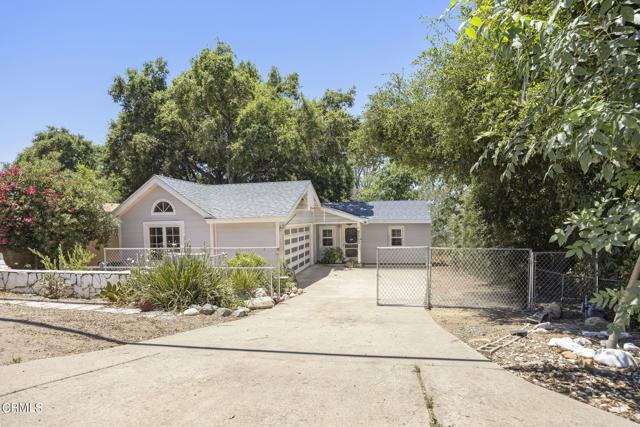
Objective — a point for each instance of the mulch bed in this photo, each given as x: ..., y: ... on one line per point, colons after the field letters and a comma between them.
x: 613, y: 390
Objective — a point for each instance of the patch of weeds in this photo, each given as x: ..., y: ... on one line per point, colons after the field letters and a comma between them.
x: 15, y: 360
x: 428, y: 400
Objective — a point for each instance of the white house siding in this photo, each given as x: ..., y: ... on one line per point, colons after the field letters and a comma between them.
x: 196, y: 230
x: 245, y: 235
x: 375, y: 235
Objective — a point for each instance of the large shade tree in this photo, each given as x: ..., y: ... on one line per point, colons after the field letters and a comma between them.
x: 221, y: 122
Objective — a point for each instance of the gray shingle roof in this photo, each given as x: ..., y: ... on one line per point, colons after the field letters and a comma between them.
x: 252, y: 200
x: 379, y: 210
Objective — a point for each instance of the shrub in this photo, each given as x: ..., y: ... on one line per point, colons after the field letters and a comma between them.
x: 53, y: 286
x: 247, y: 259
x: 75, y: 259
x: 120, y: 293
x: 177, y: 282
x: 332, y: 256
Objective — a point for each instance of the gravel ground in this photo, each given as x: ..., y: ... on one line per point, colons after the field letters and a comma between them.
x: 531, y: 358
x: 35, y: 333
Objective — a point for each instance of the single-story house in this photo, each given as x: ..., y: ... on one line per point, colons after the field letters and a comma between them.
x: 285, y: 218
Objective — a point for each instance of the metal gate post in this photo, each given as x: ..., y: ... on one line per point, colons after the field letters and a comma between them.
x: 377, y: 276
x: 429, y: 278
x: 532, y: 279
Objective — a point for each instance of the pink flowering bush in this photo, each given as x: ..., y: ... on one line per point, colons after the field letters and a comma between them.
x: 41, y: 208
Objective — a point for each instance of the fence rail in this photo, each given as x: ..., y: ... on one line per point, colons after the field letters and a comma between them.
x: 482, y: 277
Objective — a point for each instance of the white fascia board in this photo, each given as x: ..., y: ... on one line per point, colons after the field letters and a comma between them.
x: 399, y: 221
x: 245, y: 220
x: 147, y: 186
x: 343, y: 214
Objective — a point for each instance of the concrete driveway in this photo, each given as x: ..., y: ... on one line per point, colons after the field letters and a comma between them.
x: 330, y: 357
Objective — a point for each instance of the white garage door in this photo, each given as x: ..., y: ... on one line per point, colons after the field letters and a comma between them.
x: 297, y: 246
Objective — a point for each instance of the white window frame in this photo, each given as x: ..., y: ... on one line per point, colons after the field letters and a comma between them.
x: 164, y: 224
x: 153, y: 207
x: 396, y: 227
x: 333, y: 237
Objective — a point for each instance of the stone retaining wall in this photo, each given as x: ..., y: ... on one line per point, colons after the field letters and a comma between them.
x: 85, y: 284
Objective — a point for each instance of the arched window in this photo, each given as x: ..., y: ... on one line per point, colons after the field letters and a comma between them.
x: 162, y: 207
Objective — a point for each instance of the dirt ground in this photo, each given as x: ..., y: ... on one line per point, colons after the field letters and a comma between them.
x: 35, y: 333
x: 531, y: 358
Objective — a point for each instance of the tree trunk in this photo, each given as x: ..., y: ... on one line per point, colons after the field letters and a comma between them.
x: 627, y: 297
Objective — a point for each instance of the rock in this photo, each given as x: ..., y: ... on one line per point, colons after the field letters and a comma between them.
x: 554, y: 310
x: 223, y: 311
x: 539, y: 331
x: 615, y: 358
x: 190, y: 312
x: 241, y: 312
x: 260, y: 302
x: 631, y: 348
x: 519, y: 332
x: 582, y: 341
x: 208, y: 309
x: 569, y: 355
x: 196, y: 306
x: 567, y: 343
x: 284, y: 297
x: 596, y: 334
x: 596, y: 323
x: 295, y: 290
x: 544, y: 325
x: 260, y: 292
x: 145, y: 305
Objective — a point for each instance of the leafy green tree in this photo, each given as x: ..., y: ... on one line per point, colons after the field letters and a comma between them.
x: 391, y: 182
x: 579, y: 64
x: 220, y: 122
x: 70, y: 150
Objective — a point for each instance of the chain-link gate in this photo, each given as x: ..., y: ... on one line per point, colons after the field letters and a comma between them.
x: 402, y: 275
x: 454, y: 277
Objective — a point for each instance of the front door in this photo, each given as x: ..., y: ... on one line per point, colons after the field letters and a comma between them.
x: 351, y: 242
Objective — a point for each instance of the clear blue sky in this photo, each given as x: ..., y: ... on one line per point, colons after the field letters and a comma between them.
x: 58, y: 59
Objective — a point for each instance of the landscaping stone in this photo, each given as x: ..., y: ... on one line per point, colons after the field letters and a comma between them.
x: 615, y: 358
x: 223, y: 311
x: 196, y: 306
x: 191, y: 312
x: 631, y: 348
x: 582, y: 341
x: 567, y: 343
x: 145, y: 305
x: 208, y: 309
x: 596, y: 323
x: 260, y: 292
x: 553, y: 310
x: 569, y: 355
x: 260, y: 302
x: 241, y: 312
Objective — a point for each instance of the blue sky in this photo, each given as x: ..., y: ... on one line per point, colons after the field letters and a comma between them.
x: 58, y: 59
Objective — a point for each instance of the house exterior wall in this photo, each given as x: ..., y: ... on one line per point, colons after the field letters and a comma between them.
x: 246, y: 235
x: 196, y: 230
x: 375, y: 235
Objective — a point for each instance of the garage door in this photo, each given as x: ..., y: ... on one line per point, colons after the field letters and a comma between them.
x: 297, y: 247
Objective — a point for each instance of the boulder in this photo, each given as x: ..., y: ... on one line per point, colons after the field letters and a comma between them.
x: 582, y: 341
x: 196, y: 306
x: 260, y: 292
x: 223, y: 311
x: 545, y: 325
x: 615, y: 358
x: 569, y: 355
x: 240, y: 312
x: 596, y: 323
x: 260, y: 302
x: 190, y: 312
x: 145, y: 305
x: 553, y: 310
x: 631, y: 348
x: 208, y: 309
x: 566, y: 343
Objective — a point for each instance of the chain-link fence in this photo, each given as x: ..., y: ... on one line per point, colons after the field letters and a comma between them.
x: 453, y: 277
x: 402, y: 275
x: 478, y: 277
x: 484, y: 278
x: 566, y: 280
x: 126, y: 258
